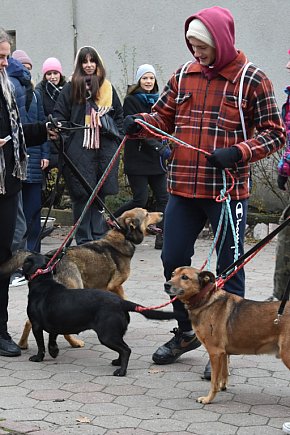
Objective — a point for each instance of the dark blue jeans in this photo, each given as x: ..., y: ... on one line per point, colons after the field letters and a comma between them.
x: 184, y: 220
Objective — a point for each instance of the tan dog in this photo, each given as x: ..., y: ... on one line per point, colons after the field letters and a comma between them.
x: 227, y: 324
x: 103, y: 264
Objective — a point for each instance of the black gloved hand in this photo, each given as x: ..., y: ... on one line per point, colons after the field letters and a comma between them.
x: 281, y: 181
x: 222, y: 158
x: 130, y: 126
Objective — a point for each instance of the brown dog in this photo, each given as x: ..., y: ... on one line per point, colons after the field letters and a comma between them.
x: 227, y: 324
x: 103, y: 264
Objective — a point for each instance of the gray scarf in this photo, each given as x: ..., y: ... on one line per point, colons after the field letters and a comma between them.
x: 19, y: 147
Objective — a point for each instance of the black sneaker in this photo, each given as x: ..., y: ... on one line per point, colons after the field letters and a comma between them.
x: 174, y: 348
x: 7, y: 346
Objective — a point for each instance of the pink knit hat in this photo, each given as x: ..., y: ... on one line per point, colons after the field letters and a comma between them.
x: 51, y: 64
x: 22, y: 57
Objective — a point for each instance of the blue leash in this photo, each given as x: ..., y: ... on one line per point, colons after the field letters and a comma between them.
x: 225, y: 218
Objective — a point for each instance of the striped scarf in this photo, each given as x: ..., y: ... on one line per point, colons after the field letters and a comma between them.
x: 93, y: 115
x: 19, y: 147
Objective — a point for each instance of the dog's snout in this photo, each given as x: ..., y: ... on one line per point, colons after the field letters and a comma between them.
x: 167, y: 286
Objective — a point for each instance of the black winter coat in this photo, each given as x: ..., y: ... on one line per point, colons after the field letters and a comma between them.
x: 90, y: 163
x: 140, y: 157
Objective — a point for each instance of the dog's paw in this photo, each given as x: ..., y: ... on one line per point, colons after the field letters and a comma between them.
x: 77, y: 343
x: 37, y: 358
x: 204, y: 400
x: 53, y: 351
x: 23, y: 346
x: 120, y: 372
x: 116, y: 362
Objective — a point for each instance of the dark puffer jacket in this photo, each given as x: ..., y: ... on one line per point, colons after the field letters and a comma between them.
x: 21, y: 80
x: 90, y: 163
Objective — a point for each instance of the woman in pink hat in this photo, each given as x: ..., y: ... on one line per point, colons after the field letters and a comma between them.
x: 49, y: 88
x: 51, y: 83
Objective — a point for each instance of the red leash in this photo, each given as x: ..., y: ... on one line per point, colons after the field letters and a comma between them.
x: 139, y: 309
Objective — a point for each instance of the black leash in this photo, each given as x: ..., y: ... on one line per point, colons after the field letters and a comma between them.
x: 285, y: 299
x: 74, y: 169
x: 255, y: 248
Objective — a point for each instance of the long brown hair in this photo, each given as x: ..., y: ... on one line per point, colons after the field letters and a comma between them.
x: 79, y: 90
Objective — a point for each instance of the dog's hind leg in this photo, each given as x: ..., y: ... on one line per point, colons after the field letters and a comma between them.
x: 23, y: 342
x: 52, y: 345
x: 216, y: 361
x: 116, y: 343
x: 224, y: 372
x: 74, y: 342
x: 38, y: 334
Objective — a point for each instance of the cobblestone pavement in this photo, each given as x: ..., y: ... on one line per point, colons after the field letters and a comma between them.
x: 77, y: 394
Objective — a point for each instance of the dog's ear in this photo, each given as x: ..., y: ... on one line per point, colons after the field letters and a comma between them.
x: 28, y: 265
x: 205, y: 278
x: 133, y: 230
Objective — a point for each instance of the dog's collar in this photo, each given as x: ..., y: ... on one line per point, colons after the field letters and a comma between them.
x: 206, y: 291
x: 40, y: 272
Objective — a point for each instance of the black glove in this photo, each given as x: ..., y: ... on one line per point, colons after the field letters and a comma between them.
x: 130, y: 126
x: 281, y: 181
x: 225, y: 157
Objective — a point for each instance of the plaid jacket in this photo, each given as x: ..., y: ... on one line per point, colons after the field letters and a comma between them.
x: 205, y: 114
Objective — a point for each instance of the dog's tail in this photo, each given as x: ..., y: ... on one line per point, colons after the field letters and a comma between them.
x: 149, y: 314
x: 14, y: 263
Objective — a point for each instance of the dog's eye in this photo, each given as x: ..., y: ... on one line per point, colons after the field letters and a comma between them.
x: 184, y: 277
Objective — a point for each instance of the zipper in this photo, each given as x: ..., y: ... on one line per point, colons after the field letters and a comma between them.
x: 200, y: 130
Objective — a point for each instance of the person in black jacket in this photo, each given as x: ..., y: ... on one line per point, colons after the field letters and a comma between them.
x: 144, y: 159
x: 13, y: 161
x: 49, y: 88
x: 85, y: 100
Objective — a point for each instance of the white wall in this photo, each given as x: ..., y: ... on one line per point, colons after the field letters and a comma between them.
x: 151, y: 28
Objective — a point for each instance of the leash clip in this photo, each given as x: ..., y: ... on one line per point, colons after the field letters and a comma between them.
x: 277, y: 320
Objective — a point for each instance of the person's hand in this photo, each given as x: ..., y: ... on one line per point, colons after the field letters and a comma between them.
x: 224, y: 157
x: 130, y: 126
x: 281, y: 181
x: 163, y: 150
x: 44, y: 163
x: 4, y: 140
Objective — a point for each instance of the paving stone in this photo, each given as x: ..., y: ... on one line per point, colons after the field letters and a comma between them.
x: 151, y: 399
x: 116, y: 421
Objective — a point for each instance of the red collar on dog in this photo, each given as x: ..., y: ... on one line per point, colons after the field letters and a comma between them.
x: 207, y: 290
x: 40, y: 272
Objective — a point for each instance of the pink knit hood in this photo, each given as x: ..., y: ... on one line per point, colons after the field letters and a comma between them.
x: 220, y: 23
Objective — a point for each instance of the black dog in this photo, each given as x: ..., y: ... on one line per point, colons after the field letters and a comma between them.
x: 57, y: 310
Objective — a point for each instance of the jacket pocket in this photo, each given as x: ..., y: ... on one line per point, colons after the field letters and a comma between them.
x: 183, y: 107
x: 229, y: 115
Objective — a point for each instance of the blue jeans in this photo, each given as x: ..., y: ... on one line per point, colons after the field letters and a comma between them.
x: 184, y: 220
x: 19, y: 239
x: 31, y: 193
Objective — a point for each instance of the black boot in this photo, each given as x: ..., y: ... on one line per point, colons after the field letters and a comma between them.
x: 174, y: 348
x: 207, y: 371
x: 158, y: 241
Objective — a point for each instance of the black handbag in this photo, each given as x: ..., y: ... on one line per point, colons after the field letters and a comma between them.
x: 109, y: 128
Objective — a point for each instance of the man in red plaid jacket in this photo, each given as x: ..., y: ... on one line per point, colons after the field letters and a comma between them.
x: 200, y: 106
